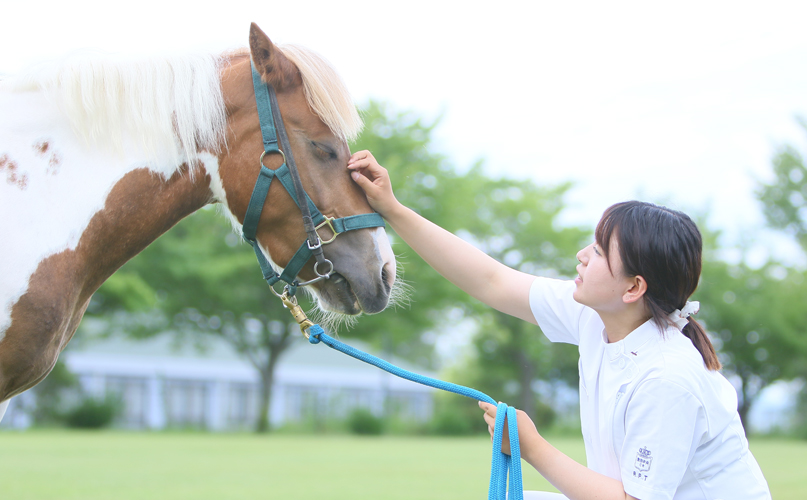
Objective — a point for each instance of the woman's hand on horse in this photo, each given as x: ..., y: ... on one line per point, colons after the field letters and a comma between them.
x: 528, y: 437
x: 374, y: 180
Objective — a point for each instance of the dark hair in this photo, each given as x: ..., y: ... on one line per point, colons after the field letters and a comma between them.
x: 664, y: 247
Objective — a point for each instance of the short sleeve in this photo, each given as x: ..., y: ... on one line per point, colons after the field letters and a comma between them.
x: 663, y: 426
x: 555, y: 309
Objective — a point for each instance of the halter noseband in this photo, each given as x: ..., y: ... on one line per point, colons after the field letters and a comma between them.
x: 271, y: 129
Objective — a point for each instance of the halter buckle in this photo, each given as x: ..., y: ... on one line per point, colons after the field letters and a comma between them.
x: 317, y: 245
x: 327, y: 222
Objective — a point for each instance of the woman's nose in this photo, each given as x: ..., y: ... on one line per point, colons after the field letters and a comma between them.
x: 582, y: 254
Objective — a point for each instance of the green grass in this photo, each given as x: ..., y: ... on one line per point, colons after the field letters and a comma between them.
x: 64, y: 465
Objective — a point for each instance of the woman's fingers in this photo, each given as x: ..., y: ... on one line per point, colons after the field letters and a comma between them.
x: 361, y: 180
x: 490, y: 419
x: 361, y: 159
x: 374, y: 180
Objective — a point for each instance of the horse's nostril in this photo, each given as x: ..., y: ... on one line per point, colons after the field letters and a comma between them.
x: 338, y: 278
x: 385, y: 280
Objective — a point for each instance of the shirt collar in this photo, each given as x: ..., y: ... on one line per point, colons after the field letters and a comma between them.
x: 632, y: 342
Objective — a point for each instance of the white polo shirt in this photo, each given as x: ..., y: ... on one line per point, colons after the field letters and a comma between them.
x: 653, y: 416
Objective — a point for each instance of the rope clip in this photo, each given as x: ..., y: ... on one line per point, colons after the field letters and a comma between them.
x: 290, y: 303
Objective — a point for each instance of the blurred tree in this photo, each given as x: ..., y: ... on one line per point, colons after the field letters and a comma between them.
x: 426, y: 182
x: 512, y: 220
x: 197, y: 282
x: 800, y: 414
x: 784, y: 197
x: 784, y: 202
x: 515, y: 222
x: 198, y: 279
x: 756, y: 321
x: 54, y: 394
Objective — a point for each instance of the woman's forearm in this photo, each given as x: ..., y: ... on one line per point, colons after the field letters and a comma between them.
x: 460, y: 262
x: 573, y: 479
x: 472, y: 270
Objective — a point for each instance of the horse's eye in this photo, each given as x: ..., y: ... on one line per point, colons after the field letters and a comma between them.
x: 323, y: 151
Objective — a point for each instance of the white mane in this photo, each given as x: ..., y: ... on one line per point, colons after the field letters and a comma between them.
x: 171, y: 107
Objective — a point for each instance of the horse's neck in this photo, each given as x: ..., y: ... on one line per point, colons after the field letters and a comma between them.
x: 75, y: 214
x: 140, y: 207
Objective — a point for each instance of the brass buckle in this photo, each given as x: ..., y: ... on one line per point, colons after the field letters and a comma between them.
x: 327, y: 222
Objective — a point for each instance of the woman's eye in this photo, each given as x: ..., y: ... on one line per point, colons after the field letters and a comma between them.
x: 596, y: 250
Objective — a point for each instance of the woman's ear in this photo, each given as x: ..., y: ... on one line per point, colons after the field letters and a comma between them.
x: 638, y: 287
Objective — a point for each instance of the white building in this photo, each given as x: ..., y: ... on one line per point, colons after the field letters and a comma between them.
x: 163, y: 385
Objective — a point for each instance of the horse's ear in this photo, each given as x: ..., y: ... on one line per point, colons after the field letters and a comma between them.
x: 275, y: 68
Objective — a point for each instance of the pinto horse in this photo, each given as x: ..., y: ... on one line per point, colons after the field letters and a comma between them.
x: 98, y: 158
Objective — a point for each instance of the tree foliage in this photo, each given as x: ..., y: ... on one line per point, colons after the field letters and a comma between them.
x: 756, y: 321
x: 784, y: 202
x: 198, y: 279
x: 513, y: 220
x: 784, y: 197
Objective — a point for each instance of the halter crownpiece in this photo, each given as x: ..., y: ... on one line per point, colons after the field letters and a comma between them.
x: 680, y: 317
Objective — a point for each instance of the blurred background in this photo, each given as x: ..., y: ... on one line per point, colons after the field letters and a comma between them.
x: 513, y: 125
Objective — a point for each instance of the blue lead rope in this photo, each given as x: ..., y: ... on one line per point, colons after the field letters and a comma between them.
x: 501, y: 463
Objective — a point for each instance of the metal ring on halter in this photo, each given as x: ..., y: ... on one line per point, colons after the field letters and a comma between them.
x: 320, y: 276
x: 327, y: 274
x: 272, y: 287
x: 278, y: 150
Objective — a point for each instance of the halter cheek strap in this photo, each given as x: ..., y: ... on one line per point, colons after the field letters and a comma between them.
x: 271, y: 129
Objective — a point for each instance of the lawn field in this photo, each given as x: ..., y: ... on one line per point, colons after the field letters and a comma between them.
x: 66, y: 465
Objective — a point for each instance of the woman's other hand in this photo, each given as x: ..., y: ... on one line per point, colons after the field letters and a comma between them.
x: 528, y: 436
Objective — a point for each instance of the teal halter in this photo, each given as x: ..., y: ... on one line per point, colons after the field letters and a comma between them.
x: 271, y: 129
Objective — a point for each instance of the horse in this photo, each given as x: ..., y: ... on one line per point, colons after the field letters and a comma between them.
x: 99, y: 157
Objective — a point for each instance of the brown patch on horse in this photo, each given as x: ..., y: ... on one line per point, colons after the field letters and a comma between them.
x: 53, y: 163
x: 41, y: 147
x: 12, y: 177
x: 54, y: 160
x: 140, y: 207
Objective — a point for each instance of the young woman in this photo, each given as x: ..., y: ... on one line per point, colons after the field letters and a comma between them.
x: 659, y: 421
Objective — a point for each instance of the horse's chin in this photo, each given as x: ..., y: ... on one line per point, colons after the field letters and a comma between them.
x: 337, y: 296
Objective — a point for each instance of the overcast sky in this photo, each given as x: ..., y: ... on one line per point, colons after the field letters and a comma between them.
x: 683, y: 103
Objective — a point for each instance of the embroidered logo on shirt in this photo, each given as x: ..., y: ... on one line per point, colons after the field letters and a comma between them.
x: 643, y: 460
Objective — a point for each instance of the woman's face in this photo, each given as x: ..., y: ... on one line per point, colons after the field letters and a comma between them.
x: 598, y: 286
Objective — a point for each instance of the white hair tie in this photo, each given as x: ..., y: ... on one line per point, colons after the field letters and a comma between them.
x: 679, y: 317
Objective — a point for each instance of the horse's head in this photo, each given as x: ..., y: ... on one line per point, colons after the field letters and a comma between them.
x: 319, y: 118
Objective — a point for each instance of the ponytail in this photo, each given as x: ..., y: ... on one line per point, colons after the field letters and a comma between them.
x: 695, y: 332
